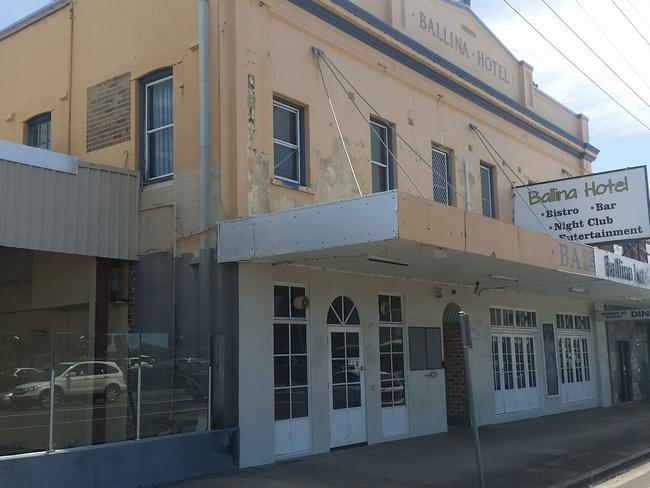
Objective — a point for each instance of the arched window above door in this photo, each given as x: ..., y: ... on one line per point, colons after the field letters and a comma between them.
x: 343, y: 311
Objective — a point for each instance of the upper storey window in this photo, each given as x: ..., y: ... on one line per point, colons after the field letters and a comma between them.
x: 158, y: 125
x: 442, y: 184
x: 487, y: 191
x: 38, y: 131
x: 288, y: 142
x: 381, y: 160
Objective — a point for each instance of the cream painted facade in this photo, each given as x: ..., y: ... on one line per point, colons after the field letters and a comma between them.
x: 431, y: 70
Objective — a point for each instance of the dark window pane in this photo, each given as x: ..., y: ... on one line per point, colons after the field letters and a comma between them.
x: 338, y: 344
x: 352, y: 342
x: 281, y: 371
x: 335, y: 313
x: 297, y: 292
x: 282, y: 411
x: 281, y: 339
x: 160, y: 107
x: 418, y: 348
x: 385, y: 363
x: 298, y: 370
x: 281, y: 301
x: 354, y: 396
x: 386, y: 395
x: 398, y: 340
x: 284, y: 125
x: 285, y: 162
x: 299, y: 403
x: 298, y: 339
x: 353, y: 371
x: 338, y: 371
x: 379, y: 178
x: 161, y: 152
x: 339, y: 397
x: 434, y: 348
x: 398, y: 366
x: 354, y: 318
x: 348, y: 305
x: 384, y: 308
x: 384, y: 339
x: 396, y: 309
x: 378, y: 142
x: 398, y: 392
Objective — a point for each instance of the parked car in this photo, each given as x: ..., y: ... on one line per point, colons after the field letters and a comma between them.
x: 144, y: 362
x: 74, y: 380
x: 13, y: 377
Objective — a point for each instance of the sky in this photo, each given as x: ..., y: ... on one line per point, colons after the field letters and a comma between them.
x: 622, y: 140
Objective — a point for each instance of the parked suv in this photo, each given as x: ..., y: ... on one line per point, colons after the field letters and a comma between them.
x: 75, y: 379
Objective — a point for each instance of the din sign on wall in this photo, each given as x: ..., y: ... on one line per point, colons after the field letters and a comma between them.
x: 597, y: 208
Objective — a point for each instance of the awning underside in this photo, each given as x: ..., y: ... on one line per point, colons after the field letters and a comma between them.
x: 375, y: 240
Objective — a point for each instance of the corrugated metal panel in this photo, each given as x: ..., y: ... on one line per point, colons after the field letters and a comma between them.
x: 92, y: 213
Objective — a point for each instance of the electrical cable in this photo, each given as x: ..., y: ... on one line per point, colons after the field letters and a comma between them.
x: 338, y: 127
x: 611, y: 42
x: 485, y: 141
x: 594, y: 52
x: 332, y: 66
x: 630, y: 22
x: 374, y: 131
x: 559, y: 51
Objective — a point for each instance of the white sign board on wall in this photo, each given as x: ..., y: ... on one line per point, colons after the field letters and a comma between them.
x: 597, y: 208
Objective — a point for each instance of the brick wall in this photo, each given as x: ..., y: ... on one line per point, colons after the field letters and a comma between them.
x: 108, y: 116
x: 455, y: 387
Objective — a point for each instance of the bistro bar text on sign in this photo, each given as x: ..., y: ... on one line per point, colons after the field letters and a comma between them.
x: 601, y: 207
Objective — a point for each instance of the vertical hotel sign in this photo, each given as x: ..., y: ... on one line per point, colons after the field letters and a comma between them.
x: 597, y: 208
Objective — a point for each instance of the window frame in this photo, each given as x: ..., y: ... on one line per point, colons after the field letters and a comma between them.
x: 493, y: 208
x: 36, y: 121
x: 145, y: 82
x: 388, y: 152
x: 290, y: 321
x: 426, y: 342
x: 299, y: 111
x: 449, y: 177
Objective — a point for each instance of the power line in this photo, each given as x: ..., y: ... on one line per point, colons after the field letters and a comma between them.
x: 595, y: 53
x: 630, y: 22
x: 637, y: 11
x: 559, y: 51
x: 611, y: 42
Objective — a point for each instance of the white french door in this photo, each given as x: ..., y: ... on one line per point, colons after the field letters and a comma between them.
x: 514, y: 368
x: 575, y: 372
x: 347, y: 397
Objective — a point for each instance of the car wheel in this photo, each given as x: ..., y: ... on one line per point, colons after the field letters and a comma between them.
x: 44, y: 398
x: 111, y: 393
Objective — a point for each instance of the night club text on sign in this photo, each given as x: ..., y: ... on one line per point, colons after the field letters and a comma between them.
x: 597, y: 208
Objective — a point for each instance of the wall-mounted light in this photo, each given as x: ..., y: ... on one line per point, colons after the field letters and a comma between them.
x: 301, y: 302
x: 634, y: 299
x: 503, y: 278
x: 578, y: 290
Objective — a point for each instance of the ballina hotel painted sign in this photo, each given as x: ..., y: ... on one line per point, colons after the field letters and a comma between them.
x: 597, y: 208
x: 457, y: 41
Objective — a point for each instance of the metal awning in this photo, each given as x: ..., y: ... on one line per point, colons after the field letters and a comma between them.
x: 399, y: 235
x: 51, y: 202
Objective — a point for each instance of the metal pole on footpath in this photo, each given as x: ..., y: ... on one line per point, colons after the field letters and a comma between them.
x: 467, y: 344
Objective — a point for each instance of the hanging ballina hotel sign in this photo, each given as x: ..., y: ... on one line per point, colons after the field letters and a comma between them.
x: 597, y: 208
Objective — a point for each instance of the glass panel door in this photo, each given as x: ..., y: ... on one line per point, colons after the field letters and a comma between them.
x: 347, y: 422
